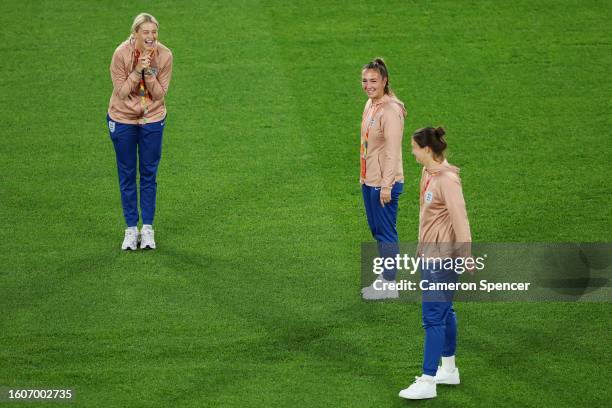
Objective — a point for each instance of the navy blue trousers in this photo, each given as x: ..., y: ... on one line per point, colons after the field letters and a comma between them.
x: 382, y: 222
x: 439, y: 319
x: 137, y: 145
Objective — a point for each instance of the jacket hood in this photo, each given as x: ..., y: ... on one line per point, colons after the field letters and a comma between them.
x: 444, y: 166
x: 392, y: 99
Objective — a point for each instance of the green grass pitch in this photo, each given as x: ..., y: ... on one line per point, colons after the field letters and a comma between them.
x: 252, y: 297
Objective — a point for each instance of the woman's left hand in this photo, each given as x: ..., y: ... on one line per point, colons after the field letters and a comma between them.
x: 385, y: 195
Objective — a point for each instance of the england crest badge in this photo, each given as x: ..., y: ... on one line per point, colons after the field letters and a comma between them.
x: 428, y: 197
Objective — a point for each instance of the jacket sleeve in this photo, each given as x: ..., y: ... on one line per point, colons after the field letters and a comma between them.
x: 452, y: 193
x: 157, y: 85
x: 393, y: 128
x: 124, y: 81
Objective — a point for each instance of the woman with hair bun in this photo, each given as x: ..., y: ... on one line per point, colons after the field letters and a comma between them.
x: 140, y: 70
x: 382, y: 173
x: 444, y: 233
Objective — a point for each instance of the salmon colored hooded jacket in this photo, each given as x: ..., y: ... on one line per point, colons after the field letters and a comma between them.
x: 383, y: 127
x: 444, y: 229
x: 126, y: 105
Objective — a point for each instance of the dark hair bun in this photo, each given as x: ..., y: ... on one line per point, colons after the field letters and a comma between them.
x: 380, y: 61
x: 432, y: 138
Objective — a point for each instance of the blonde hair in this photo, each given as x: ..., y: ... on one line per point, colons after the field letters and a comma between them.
x: 140, y: 20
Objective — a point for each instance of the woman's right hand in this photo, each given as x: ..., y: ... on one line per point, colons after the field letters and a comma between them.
x: 143, y: 63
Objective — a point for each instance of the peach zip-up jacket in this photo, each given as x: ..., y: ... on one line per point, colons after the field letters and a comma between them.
x: 443, y: 221
x: 383, y: 121
x: 125, y: 104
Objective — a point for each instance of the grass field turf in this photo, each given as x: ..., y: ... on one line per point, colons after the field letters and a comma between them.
x: 252, y: 299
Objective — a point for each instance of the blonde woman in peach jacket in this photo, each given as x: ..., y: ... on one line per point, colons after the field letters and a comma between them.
x: 140, y: 71
x: 444, y: 232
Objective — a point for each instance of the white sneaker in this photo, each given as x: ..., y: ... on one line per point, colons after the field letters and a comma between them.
x: 421, y: 389
x: 379, y: 278
x: 130, y: 239
x: 446, y: 377
x: 379, y: 290
x: 147, y: 237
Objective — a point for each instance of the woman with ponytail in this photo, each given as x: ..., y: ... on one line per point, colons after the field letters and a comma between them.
x: 444, y: 233
x: 140, y: 70
x: 382, y: 173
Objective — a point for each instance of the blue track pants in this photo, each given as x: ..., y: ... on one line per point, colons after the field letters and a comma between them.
x: 382, y: 221
x: 439, y: 319
x: 142, y: 145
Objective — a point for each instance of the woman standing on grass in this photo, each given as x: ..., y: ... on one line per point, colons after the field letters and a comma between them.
x: 444, y: 233
x: 382, y: 173
x: 140, y: 70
